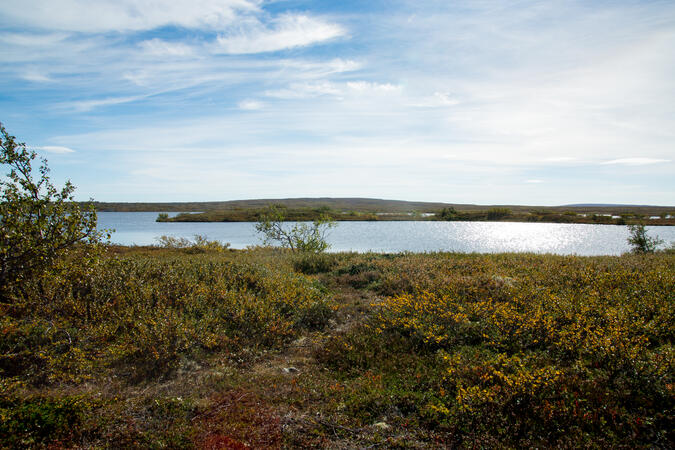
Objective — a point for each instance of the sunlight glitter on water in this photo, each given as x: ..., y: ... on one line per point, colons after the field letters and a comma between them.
x: 422, y: 236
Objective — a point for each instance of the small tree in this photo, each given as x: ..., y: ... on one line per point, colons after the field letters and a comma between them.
x: 302, y: 236
x: 37, y: 221
x: 639, y: 240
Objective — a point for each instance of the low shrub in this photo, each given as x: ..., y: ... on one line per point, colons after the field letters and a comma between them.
x: 36, y: 421
x: 312, y: 263
x: 199, y: 244
x: 553, y: 351
x: 139, y: 315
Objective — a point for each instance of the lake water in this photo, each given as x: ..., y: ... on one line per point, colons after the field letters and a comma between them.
x: 140, y: 228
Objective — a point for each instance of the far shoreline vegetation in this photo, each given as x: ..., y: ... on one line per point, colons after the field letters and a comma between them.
x: 361, y: 209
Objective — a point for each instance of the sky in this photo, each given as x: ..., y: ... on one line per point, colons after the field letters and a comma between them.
x: 484, y: 101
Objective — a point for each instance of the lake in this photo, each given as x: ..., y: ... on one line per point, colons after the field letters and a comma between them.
x: 140, y: 228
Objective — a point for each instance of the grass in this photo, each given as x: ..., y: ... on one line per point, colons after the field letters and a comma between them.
x: 171, y: 348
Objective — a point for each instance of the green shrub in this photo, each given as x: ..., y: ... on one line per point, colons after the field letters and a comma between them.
x: 313, y: 263
x: 139, y: 316
x: 35, y: 421
x: 640, y: 241
x: 199, y: 244
x: 38, y: 223
x: 301, y: 236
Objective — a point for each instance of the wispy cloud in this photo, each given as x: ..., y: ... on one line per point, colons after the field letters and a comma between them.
x: 25, y: 39
x: 636, y: 161
x: 560, y: 159
x: 328, y: 88
x: 36, y: 77
x: 88, y: 105
x: 55, y: 149
x: 161, y: 48
x: 250, y: 105
x: 437, y: 100
x: 305, y: 90
x: 288, y: 31
x: 123, y: 15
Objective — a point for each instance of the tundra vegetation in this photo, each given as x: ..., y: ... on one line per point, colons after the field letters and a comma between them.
x: 189, y: 344
x: 322, y: 211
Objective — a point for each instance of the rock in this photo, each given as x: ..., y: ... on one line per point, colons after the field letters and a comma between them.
x: 290, y: 370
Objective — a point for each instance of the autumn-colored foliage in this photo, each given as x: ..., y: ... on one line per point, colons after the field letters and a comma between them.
x: 519, y: 350
x: 509, y: 350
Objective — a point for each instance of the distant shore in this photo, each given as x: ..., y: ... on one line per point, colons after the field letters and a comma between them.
x: 253, y: 215
x: 366, y: 209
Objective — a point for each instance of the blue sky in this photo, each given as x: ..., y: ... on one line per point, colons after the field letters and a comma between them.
x: 484, y: 101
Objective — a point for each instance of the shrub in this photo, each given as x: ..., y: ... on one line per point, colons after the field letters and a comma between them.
x: 32, y: 422
x: 639, y: 240
x: 38, y: 222
x: 312, y: 263
x: 517, y: 350
x: 305, y: 237
x: 200, y: 244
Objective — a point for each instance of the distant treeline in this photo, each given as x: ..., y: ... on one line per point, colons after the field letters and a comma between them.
x: 300, y: 209
x: 444, y: 214
x: 290, y: 214
x: 555, y: 216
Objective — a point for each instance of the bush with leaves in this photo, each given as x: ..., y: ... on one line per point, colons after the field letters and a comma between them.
x: 300, y: 236
x: 640, y: 241
x: 200, y: 244
x: 37, y: 221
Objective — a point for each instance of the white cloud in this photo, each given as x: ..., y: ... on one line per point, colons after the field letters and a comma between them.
x: 32, y: 39
x: 55, y: 149
x: 36, y: 77
x: 288, y: 31
x: 636, y: 161
x: 162, y: 48
x: 559, y: 159
x: 123, y: 15
x: 318, y: 69
x: 534, y: 181
x: 329, y: 88
x: 306, y: 90
x: 250, y: 105
x: 437, y: 100
x: 366, y: 86
x: 88, y: 105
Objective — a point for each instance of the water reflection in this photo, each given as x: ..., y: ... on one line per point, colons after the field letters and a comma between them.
x: 482, y: 237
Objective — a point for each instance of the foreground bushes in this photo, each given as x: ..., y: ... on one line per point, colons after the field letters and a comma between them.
x: 518, y: 350
x: 142, y: 315
x: 434, y: 350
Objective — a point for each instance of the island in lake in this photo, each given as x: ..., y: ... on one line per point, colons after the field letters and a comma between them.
x: 368, y: 209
